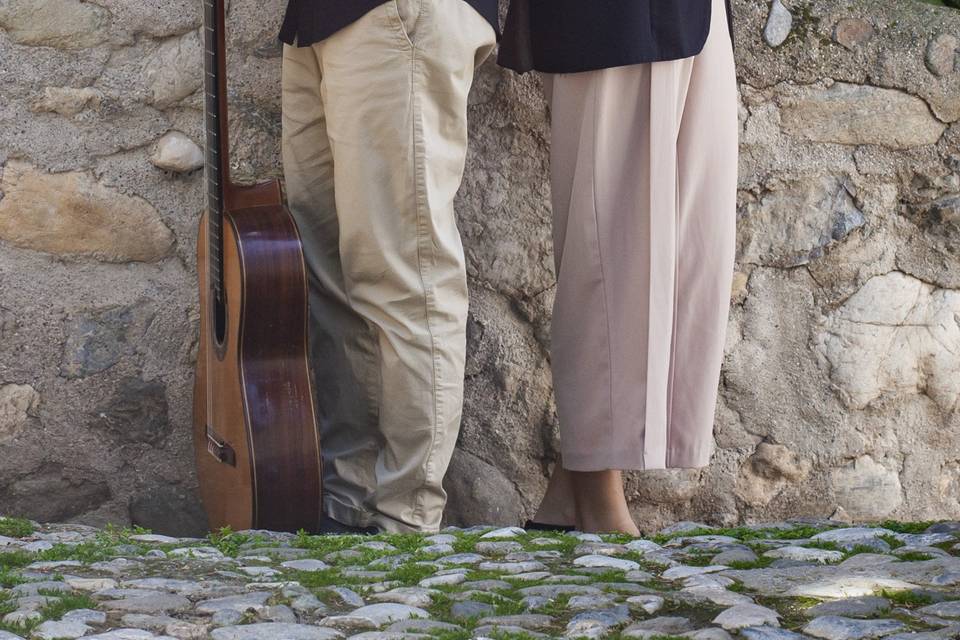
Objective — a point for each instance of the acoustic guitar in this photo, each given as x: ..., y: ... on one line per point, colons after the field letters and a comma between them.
x: 254, y: 424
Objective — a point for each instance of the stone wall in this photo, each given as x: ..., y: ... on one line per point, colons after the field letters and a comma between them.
x: 842, y: 377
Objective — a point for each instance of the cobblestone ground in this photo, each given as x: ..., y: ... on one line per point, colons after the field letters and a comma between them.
x: 770, y: 582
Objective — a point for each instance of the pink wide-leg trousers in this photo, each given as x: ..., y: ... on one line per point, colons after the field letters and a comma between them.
x: 644, y: 176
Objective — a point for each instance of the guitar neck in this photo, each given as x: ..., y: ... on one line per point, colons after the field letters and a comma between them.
x: 218, y: 140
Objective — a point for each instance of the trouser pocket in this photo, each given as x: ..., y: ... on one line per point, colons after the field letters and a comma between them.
x: 409, y: 12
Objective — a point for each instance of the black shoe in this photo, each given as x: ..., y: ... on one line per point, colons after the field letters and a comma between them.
x: 530, y: 525
x: 329, y: 526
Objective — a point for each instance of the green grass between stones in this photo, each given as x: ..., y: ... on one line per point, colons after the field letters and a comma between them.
x: 451, y: 634
x: 8, y: 579
x: 64, y: 603
x: 14, y: 560
x: 906, y: 527
x: 760, y: 563
x: 440, y: 610
x: 313, y: 580
x: 855, y: 550
x: 906, y: 598
x: 555, y: 607
x: 745, y: 534
x: 503, y: 605
x: 15, y: 527
x: 698, y: 559
x: 411, y: 574
x: 891, y: 540
x: 61, y: 603
x: 513, y: 635
x: 792, y: 610
x: 6, y: 604
x: 466, y: 542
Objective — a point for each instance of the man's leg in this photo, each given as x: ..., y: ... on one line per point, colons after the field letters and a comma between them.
x: 394, y: 87
x: 342, y: 345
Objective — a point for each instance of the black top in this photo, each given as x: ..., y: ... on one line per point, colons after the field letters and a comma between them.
x: 310, y: 21
x: 568, y: 36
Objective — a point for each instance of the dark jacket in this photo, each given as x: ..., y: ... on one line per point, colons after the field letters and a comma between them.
x: 568, y: 36
x: 310, y: 21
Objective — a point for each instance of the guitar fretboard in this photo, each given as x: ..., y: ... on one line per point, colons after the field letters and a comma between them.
x: 216, y: 173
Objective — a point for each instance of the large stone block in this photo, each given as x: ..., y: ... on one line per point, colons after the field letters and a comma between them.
x: 17, y: 401
x: 53, y: 494
x: 895, y: 336
x: 796, y: 219
x: 169, y: 510
x: 64, y: 24
x: 858, y: 114
x: 137, y: 412
x: 168, y: 18
x: 68, y: 101
x: 767, y: 471
x: 175, y: 69
x: 98, y: 339
x: 479, y: 492
x: 176, y: 152
x: 943, y: 54
x: 71, y: 214
x: 866, y: 489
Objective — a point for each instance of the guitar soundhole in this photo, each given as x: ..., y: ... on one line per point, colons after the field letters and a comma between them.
x: 219, y: 321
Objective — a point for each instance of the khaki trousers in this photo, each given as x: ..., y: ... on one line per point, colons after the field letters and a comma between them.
x: 374, y: 146
x: 644, y: 174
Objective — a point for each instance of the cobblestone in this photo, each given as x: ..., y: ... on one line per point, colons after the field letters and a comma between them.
x: 783, y: 581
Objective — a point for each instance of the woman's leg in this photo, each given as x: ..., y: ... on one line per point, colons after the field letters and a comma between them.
x: 558, y: 507
x: 601, y: 504
x: 591, y: 501
x: 583, y: 365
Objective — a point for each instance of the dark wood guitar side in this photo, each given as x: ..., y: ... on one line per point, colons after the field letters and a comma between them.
x: 254, y: 424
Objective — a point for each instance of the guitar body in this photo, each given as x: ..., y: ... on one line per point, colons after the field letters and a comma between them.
x: 254, y: 425
x: 254, y: 431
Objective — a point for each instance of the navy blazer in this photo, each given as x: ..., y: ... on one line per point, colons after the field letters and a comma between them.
x: 309, y: 21
x: 568, y: 36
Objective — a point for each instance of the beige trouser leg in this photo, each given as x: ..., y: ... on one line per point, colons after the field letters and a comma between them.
x: 644, y: 173
x: 374, y: 145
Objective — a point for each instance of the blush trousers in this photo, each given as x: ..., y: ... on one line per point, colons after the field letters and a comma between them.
x: 644, y: 177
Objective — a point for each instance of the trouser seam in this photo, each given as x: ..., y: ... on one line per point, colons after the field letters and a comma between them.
x: 603, y: 278
x: 423, y: 268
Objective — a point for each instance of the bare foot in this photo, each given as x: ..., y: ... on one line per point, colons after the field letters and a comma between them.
x: 601, y: 503
x: 558, y: 506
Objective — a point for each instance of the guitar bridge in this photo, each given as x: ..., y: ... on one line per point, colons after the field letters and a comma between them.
x: 219, y: 449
